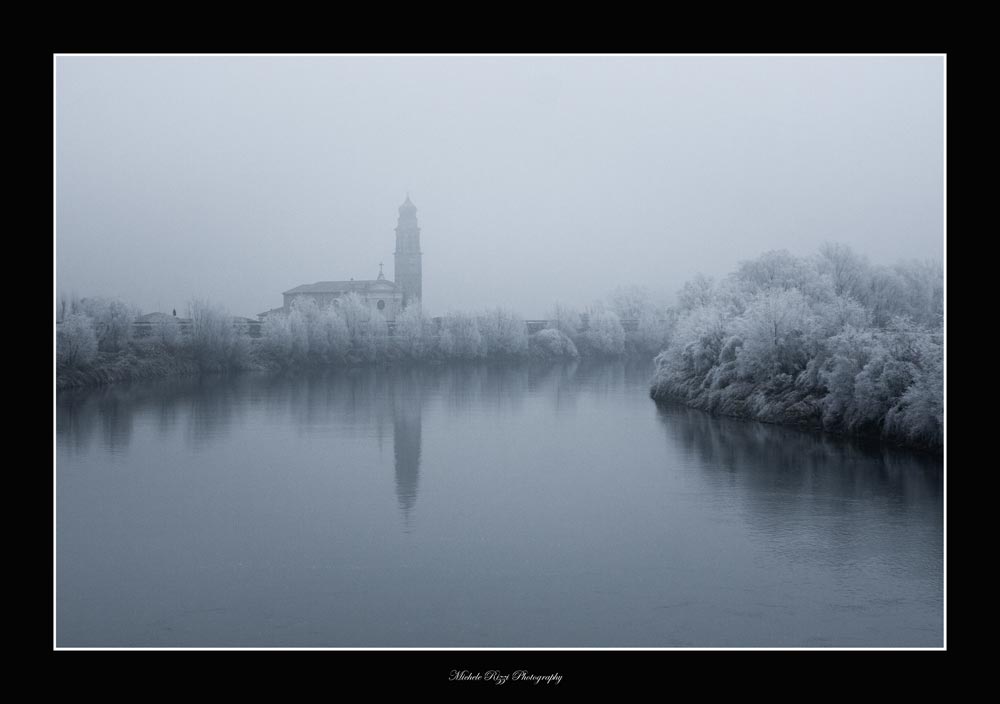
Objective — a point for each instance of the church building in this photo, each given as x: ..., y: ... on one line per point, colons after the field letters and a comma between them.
x: 388, y: 297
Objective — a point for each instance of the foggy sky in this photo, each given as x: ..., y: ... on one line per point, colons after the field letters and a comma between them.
x: 536, y: 178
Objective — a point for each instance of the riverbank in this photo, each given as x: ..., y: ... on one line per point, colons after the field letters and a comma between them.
x: 132, y: 364
x: 147, y: 359
x: 779, y: 404
x: 828, y: 343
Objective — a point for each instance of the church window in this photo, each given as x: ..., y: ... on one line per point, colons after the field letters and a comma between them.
x: 381, y: 305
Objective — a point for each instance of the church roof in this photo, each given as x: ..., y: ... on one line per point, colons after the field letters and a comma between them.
x: 358, y: 286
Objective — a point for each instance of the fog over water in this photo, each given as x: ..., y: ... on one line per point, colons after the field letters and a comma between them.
x: 536, y: 178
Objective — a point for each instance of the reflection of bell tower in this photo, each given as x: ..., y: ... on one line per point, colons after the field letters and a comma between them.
x: 406, y: 430
x: 408, y: 270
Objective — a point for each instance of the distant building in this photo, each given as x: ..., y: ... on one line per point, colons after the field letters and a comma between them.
x: 380, y: 294
x: 409, y: 270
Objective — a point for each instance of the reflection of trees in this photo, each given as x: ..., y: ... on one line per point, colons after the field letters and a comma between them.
x: 601, y: 377
x: 76, y: 420
x: 213, y: 404
x: 367, y: 401
x: 207, y: 403
x: 207, y: 406
x: 822, y: 490
x: 770, y: 457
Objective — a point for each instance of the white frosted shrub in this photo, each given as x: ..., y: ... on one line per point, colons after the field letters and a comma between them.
x: 551, y: 344
x: 215, y: 341
x: 76, y: 342
x: 503, y: 333
x: 774, y: 330
x: 566, y: 319
x: 604, y: 335
x: 168, y: 334
x: 113, y: 321
x: 460, y: 337
x: 334, y: 337
x: 412, y: 335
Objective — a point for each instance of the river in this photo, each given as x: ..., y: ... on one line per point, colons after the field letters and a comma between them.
x: 479, y: 506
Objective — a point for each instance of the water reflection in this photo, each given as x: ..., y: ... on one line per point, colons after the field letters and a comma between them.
x: 768, y: 458
x: 205, y: 411
x: 406, y: 436
x: 269, y: 510
x: 762, y: 459
x: 819, y: 498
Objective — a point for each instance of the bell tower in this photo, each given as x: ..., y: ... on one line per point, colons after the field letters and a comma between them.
x: 408, y: 269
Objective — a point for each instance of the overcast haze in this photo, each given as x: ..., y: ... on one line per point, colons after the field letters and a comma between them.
x: 536, y: 178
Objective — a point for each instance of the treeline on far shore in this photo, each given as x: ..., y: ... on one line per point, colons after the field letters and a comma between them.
x: 829, y: 342
x: 96, y: 340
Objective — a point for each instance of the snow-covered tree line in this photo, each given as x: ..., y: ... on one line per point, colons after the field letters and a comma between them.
x: 831, y: 342
x: 597, y: 331
x: 96, y: 330
x: 96, y: 337
x: 351, y: 332
x: 92, y: 325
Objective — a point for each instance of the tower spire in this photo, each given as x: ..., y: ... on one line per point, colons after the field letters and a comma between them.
x: 407, y: 254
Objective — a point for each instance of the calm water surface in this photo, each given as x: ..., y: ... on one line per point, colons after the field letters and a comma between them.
x: 479, y: 506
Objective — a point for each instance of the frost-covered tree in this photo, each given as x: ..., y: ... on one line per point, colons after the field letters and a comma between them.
x: 921, y: 286
x: 445, y: 343
x: 333, y: 337
x: 216, y: 341
x: 460, y: 337
x: 653, y: 331
x: 848, y: 353
x: 847, y: 271
x: 62, y: 307
x: 378, y: 331
x: 113, y: 321
x: 775, y: 331
x: 882, y: 295
x: 298, y: 329
x: 355, y: 313
x: 503, y: 333
x: 829, y: 342
x: 917, y: 416
x: 68, y: 304
x: 564, y: 318
x: 367, y: 328
x: 76, y: 341
x: 305, y: 317
x: 776, y: 269
x: 412, y: 336
x: 551, y: 344
x: 168, y: 335
x: 838, y: 313
x: 604, y: 335
x: 695, y: 346
x: 696, y: 293
x: 277, y: 341
x: 630, y: 302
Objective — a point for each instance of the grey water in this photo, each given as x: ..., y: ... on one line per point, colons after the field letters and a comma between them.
x: 479, y: 506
